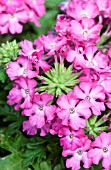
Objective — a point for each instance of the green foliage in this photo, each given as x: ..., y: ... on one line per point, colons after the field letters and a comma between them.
x: 3, y: 75
x: 8, y: 52
x: 59, y: 80
x: 18, y: 150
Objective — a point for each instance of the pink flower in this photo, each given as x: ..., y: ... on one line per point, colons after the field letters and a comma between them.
x: 86, y: 30
x: 31, y: 130
x: 105, y: 80
x: 71, y: 138
x: 14, y: 13
x: 104, y: 7
x: 14, y: 97
x: 78, y: 155
x: 76, y: 52
x: 92, y: 92
x: 101, y: 150
x: 37, y: 6
x: 23, y: 89
x: 41, y: 111
x: 11, y: 6
x: 14, y: 21
x: 37, y: 59
x: 33, y: 17
x: 98, y: 61
x: 56, y: 127
x: 22, y: 68
x: 45, y: 129
x: 80, y: 9
x: 72, y: 112
x: 89, y: 75
x: 52, y: 43
x: 62, y: 25
x: 27, y: 48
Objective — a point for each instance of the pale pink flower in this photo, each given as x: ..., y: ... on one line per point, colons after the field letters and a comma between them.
x: 73, y: 112
x: 92, y: 92
x: 41, y: 111
x: 86, y: 30
x: 52, y: 43
x: 80, y: 9
x: 27, y: 48
x: 37, y: 6
x: 71, y: 138
x: 14, y: 21
x: 78, y: 155
x: 22, y: 68
x: 105, y: 81
x: 98, y: 61
x: 23, y: 89
x: 101, y: 150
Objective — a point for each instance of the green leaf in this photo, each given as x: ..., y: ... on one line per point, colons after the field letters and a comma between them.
x: 52, y: 3
x: 12, y: 162
x: 3, y: 75
x: 36, y: 166
x: 30, y: 155
x: 57, y: 167
x: 45, y: 165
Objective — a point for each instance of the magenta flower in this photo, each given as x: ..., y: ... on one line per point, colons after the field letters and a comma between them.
x: 98, y: 61
x: 37, y: 6
x: 45, y: 129
x: 80, y: 9
x: 23, y: 89
x: 27, y: 48
x: 89, y: 75
x: 11, y: 6
x: 62, y: 25
x: 73, y: 112
x: 14, y: 97
x: 78, y: 155
x: 37, y: 59
x: 104, y: 7
x: 86, y: 30
x: 105, y: 80
x: 22, y: 68
x: 31, y: 130
x: 56, y: 127
x: 92, y: 92
x: 13, y: 21
x: 101, y: 150
x: 52, y: 43
x: 41, y: 111
x: 14, y: 13
x: 71, y: 138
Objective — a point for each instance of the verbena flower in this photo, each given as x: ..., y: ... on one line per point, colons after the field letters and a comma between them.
x: 15, y: 13
x: 73, y: 112
x: 101, y: 150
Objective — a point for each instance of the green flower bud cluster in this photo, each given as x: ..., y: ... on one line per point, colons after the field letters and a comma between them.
x: 95, y: 126
x: 8, y: 52
x: 59, y: 80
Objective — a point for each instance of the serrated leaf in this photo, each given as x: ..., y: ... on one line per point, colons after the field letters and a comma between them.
x: 30, y: 155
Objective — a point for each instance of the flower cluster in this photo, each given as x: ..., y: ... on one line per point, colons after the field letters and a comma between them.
x: 62, y: 83
x: 14, y: 13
